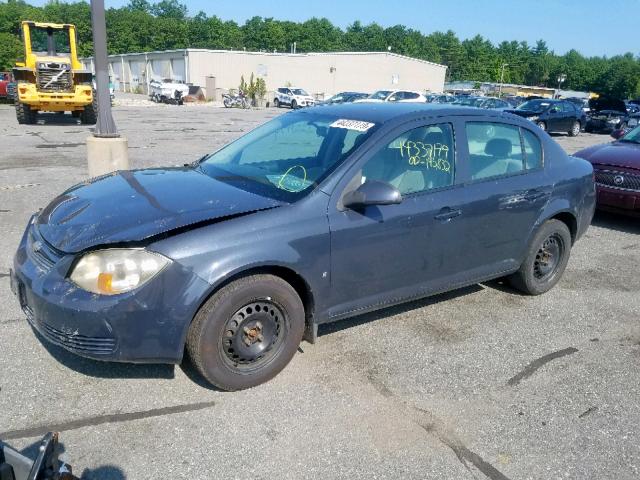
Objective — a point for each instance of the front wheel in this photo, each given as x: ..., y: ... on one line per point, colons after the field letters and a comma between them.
x: 542, y: 126
x: 546, y: 259
x: 89, y: 115
x: 294, y: 104
x: 247, y: 332
x: 276, y: 103
x: 24, y: 114
x: 575, y: 129
x: 227, y: 103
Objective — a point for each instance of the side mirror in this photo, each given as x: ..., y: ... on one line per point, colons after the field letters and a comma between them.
x: 372, y: 192
x: 618, y: 133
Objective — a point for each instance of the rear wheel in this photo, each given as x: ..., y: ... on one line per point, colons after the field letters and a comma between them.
x: 247, y: 332
x: 546, y: 259
x: 575, y: 129
x: 276, y: 103
x: 24, y: 114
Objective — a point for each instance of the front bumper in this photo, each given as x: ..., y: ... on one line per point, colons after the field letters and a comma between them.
x: 147, y: 325
x: 617, y: 200
x: 80, y: 97
x: 601, y: 126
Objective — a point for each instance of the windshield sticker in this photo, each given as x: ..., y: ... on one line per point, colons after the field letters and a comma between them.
x: 356, y: 125
x: 289, y: 182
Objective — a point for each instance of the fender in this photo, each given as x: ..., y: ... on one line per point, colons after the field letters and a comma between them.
x: 554, y: 207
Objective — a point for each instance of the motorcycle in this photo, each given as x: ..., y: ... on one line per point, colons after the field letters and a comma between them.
x: 239, y: 100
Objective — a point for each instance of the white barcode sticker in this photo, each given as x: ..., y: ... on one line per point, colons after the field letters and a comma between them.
x: 357, y: 125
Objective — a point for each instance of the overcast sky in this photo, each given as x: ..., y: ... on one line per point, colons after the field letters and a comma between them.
x: 591, y: 27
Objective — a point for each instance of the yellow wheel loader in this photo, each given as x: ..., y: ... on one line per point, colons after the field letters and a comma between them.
x: 51, y: 79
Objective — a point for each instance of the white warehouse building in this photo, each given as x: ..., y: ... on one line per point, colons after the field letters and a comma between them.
x: 321, y: 74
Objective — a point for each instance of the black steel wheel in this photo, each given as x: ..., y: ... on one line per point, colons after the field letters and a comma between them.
x: 247, y: 332
x: 254, y: 335
x: 546, y: 259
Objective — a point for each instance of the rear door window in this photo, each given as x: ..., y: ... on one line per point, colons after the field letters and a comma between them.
x: 495, y: 149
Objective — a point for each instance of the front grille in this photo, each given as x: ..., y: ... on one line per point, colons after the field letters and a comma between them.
x: 619, y: 180
x: 81, y: 343
x: 54, y: 77
x: 40, y: 253
x: 11, y: 91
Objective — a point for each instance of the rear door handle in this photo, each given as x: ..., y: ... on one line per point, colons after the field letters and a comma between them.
x: 447, y: 214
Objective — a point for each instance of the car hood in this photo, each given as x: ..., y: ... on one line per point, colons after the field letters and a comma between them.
x: 600, y: 104
x: 133, y: 205
x: 617, y: 154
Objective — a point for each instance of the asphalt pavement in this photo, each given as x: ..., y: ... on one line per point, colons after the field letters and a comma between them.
x: 478, y: 383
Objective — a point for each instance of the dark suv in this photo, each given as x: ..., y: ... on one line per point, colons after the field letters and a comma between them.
x: 553, y: 115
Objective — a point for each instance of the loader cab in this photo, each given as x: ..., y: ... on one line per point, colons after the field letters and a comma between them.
x: 50, y: 41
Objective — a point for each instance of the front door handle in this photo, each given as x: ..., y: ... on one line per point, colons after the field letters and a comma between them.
x: 447, y: 213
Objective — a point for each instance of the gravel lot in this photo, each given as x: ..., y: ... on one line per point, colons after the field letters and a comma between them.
x: 478, y: 383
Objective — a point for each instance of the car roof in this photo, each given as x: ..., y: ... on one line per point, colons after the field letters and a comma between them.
x: 388, y: 111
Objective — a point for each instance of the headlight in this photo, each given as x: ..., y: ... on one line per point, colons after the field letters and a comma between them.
x: 116, y: 270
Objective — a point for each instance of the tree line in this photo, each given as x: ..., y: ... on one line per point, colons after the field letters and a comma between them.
x: 143, y: 26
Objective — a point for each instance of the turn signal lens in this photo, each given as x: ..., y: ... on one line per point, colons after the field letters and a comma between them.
x: 117, y: 270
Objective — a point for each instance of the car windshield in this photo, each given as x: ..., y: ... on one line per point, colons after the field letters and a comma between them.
x: 380, y: 95
x: 632, y: 136
x: 289, y: 156
x: 537, y: 106
x: 468, y: 101
x: 299, y: 91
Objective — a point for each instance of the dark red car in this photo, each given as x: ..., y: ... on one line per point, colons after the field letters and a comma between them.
x: 5, y: 78
x: 616, y: 168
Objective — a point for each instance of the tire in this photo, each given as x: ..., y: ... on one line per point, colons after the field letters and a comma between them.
x: 76, y: 113
x: 546, y: 259
x: 24, y: 114
x: 246, y: 310
x: 88, y: 116
x: 542, y: 126
x: 575, y: 129
x: 276, y: 103
x: 227, y: 103
x: 294, y: 104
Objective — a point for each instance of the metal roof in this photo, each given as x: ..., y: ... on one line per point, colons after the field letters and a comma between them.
x: 185, y: 51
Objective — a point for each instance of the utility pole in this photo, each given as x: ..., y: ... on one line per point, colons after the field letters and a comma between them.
x: 502, y: 79
x: 106, y: 150
x: 561, y: 78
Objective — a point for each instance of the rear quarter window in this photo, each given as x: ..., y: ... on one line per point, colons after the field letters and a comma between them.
x: 532, y: 149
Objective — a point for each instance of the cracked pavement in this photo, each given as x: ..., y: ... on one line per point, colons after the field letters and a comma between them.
x: 477, y: 383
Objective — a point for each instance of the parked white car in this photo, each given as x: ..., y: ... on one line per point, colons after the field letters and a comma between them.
x: 292, y: 97
x: 394, y: 96
x: 167, y: 91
